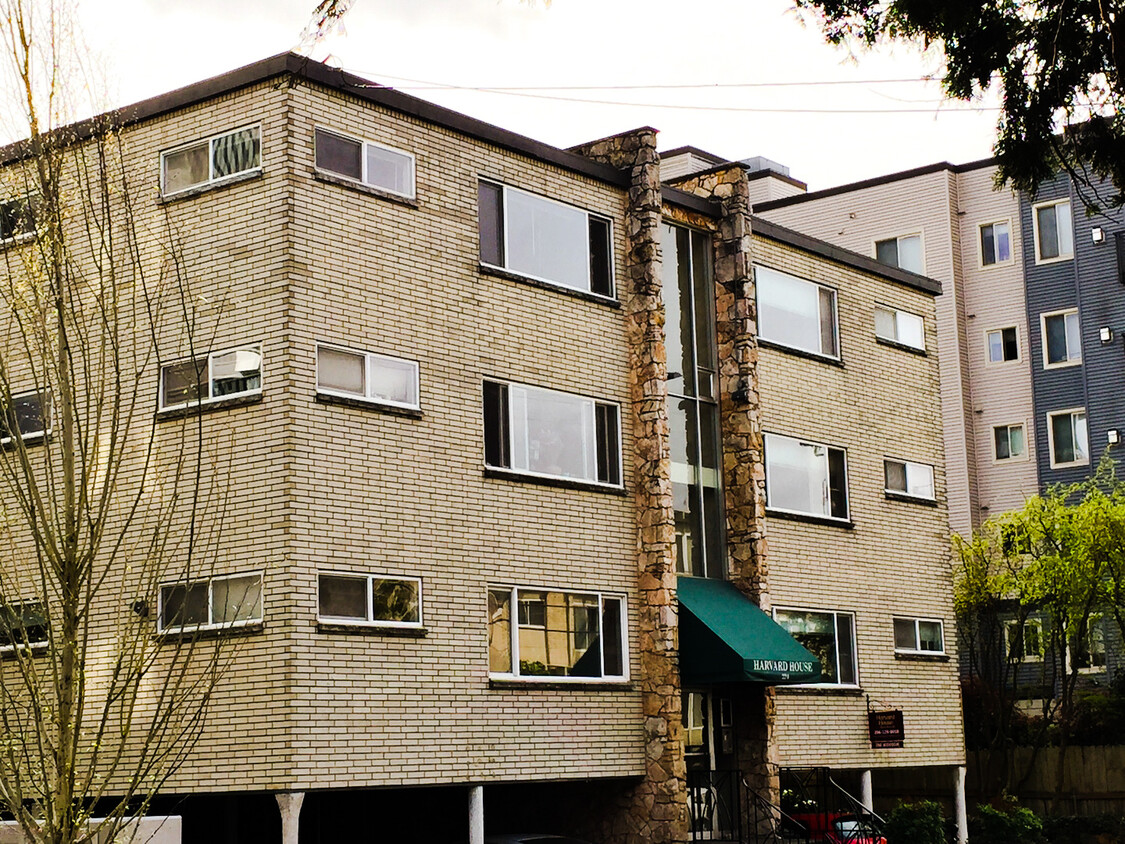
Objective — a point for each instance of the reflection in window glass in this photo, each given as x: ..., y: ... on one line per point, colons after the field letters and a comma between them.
x: 829, y: 636
x: 796, y: 313
x: 1069, y: 440
x: 805, y: 477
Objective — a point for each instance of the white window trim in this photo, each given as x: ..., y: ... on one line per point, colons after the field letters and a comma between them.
x: 587, y: 291
x: 249, y: 347
x: 855, y: 645
x: 781, y: 344
x: 368, y: 358
x: 1043, y: 338
x: 1010, y: 625
x: 921, y: 249
x: 528, y: 473
x: 1051, y: 439
x: 1035, y: 230
x: 364, y: 144
x: 988, y: 361
x: 370, y: 621
x: 513, y: 632
x: 202, y: 628
x: 1091, y: 669
x: 918, y: 636
x: 896, y: 311
x: 1026, y: 442
x: 32, y: 436
x: 22, y: 237
x: 38, y: 644
x: 211, y: 180
x: 770, y: 508
x: 904, y: 493
x: 981, y: 265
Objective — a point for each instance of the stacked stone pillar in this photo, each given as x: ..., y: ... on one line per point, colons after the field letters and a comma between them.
x: 656, y: 810
x: 744, y: 477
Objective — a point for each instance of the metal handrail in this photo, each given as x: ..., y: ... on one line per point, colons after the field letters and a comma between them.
x: 777, y: 817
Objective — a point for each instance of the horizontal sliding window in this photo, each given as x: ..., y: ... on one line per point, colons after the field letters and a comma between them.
x: 1010, y: 442
x: 900, y: 327
x: 551, y: 433
x: 366, y: 375
x: 919, y: 635
x: 905, y: 478
x: 17, y: 219
x: 217, y: 602
x: 208, y: 378
x: 796, y: 313
x: 545, y: 239
x: 904, y: 252
x: 211, y: 160
x: 23, y: 624
x: 806, y: 477
x: 1003, y: 345
x: 27, y: 414
x: 556, y: 635
x: 830, y: 637
x: 375, y: 599
x: 366, y: 162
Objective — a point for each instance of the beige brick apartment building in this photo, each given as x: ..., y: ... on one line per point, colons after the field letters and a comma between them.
x: 470, y: 404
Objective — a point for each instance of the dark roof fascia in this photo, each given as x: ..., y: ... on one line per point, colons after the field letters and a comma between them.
x: 699, y: 204
x: 781, y: 177
x: 939, y: 167
x: 696, y: 151
x: 843, y: 256
x: 336, y: 79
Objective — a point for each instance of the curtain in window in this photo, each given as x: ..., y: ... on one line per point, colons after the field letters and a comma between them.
x: 235, y: 153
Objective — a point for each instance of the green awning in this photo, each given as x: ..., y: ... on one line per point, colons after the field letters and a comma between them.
x: 725, y: 638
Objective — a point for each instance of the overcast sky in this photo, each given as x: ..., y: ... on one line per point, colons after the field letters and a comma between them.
x: 744, y: 54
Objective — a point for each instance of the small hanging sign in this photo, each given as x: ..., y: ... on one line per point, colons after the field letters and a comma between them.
x: 885, y: 728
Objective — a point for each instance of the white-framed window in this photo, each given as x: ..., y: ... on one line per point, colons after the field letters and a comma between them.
x: 211, y: 161
x: 1068, y: 438
x: 371, y: 600
x: 214, y: 603
x: 900, y: 327
x: 995, y: 243
x: 905, y: 478
x: 356, y: 374
x: 829, y: 636
x: 919, y: 636
x: 23, y: 624
x: 1024, y: 643
x: 366, y: 162
x: 904, y: 252
x: 28, y: 416
x: 796, y: 313
x: 225, y: 374
x: 1002, y: 344
x: 1088, y: 654
x: 805, y: 477
x: 1062, y: 339
x: 536, y: 431
x: 545, y: 239
x: 556, y: 635
x: 1054, y: 231
x: 17, y: 219
x: 1009, y: 442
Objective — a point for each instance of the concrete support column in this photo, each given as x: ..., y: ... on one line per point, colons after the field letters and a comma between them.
x: 476, y: 814
x: 866, y: 794
x: 960, y: 806
x: 290, y: 805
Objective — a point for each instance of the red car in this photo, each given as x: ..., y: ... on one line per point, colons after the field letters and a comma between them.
x: 848, y: 829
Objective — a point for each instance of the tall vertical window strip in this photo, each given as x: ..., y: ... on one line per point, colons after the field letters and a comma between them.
x: 693, y: 412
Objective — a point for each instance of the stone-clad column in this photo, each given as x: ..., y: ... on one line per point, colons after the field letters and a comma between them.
x: 744, y: 475
x: 657, y: 811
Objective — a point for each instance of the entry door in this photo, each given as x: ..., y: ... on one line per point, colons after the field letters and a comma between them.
x: 699, y: 742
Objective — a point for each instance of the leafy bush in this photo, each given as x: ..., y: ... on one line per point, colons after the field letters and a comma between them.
x: 1010, y: 825
x: 1080, y: 830
x: 916, y: 823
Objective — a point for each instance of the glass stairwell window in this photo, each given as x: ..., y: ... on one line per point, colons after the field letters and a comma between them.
x: 693, y: 412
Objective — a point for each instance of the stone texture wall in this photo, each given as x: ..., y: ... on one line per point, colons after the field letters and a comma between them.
x: 658, y: 806
x: 743, y: 461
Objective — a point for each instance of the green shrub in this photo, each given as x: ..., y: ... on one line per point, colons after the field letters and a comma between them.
x: 916, y: 823
x: 1070, y: 829
x: 1012, y: 825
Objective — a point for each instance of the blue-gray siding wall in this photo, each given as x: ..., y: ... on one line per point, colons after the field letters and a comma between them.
x: 1088, y: 283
